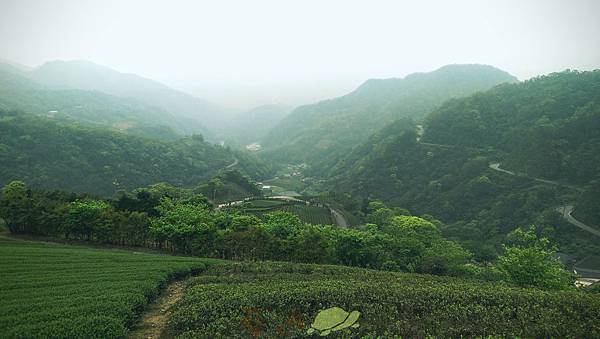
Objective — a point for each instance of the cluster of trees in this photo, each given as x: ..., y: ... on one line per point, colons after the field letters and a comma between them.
x: 178, y: 220
x: 48, y: 153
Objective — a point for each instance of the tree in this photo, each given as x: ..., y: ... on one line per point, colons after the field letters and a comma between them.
x: 188, y: 226
x: 87, y: 218
x: 15, y: 206
x: 529, y: 261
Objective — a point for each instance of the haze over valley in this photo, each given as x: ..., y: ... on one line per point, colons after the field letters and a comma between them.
x: 295, y: 169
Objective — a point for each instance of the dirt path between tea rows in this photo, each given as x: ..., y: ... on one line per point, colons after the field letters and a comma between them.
x: 154, y: 321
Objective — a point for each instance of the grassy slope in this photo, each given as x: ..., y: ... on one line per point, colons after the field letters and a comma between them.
x: 70, y: 291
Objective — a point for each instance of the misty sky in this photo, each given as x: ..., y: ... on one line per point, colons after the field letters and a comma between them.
x: 244, y: 53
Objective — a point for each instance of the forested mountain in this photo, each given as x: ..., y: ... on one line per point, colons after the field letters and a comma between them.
x: 62, y: 154
x: 187, y: 113
x: 314, y: 132
x: 253, y: 125
x: 18, y: 92
x: 549, y: 123
x: 549, y: 127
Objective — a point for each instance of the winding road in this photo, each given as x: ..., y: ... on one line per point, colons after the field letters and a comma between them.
x: 565, y: 210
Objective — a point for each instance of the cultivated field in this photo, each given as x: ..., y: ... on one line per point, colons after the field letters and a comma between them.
x: 269, y: 300
x: 61, y: 291
x: 306, y: 213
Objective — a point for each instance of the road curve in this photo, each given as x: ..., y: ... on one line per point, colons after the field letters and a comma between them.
x: 235, y: 162
x: 566, y: 211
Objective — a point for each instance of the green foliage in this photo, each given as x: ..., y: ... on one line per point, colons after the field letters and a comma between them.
x: 52, y: 154
x: 586, y: 208
x: 189, y: 224
x: 57, y: 291
x: 282, y: 300
x: 529, y: 261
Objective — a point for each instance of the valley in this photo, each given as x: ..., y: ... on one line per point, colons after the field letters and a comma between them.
x: 413, y: 169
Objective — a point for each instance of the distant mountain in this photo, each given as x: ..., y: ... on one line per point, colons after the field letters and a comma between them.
x: 253, y: 125
x: 19, y: 92
x: 317, y: 132
x: 13, y: 67
x: 191, y: 114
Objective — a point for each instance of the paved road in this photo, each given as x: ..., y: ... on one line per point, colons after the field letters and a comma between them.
x: 496, y: 167
x: 566, y: 211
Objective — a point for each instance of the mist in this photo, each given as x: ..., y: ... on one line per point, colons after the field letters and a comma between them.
x: 242, y: 54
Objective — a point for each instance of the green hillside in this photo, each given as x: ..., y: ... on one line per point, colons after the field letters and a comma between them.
x: 446, y: 173
x: 315, y: 133
x: 193, y: 115
x: 548, y: 127
x: 18, y: 92
x: 66, y: 155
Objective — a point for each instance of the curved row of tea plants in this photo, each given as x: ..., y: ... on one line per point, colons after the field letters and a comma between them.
x: 280, y: 300
x: 59, y: 291
x: 315, y: 215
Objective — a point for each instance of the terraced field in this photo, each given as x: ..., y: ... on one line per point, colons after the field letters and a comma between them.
x: 49, y: 290
x: 273, y: 300
x: 311, y: 214
x: 307, y: 213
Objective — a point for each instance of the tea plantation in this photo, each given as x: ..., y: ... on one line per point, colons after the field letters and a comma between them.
x: 60, y: 291
x: 281, y: 300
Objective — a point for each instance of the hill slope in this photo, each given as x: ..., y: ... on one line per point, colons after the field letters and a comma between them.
x: 549, y: 126
x: 448, y: 175
x: 192, y: 115
x: 19, y: 92
x: 61, y: 154
x: 253, y: 125
x: 314, y: 132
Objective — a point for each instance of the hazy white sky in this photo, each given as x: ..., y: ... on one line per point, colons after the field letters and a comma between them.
x: 243, y: 53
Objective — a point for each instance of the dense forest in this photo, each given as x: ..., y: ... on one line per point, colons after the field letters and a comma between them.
x: 63, y: 154
x: 548, y: 127
x: 446, y: 171
x: 315, y: 133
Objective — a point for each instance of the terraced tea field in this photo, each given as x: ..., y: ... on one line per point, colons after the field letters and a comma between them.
x: 274, y: 300
x: 61, y: 291
x: 307, y: 213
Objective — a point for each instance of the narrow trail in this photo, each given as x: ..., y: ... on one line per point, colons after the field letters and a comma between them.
x: 154, y: 321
